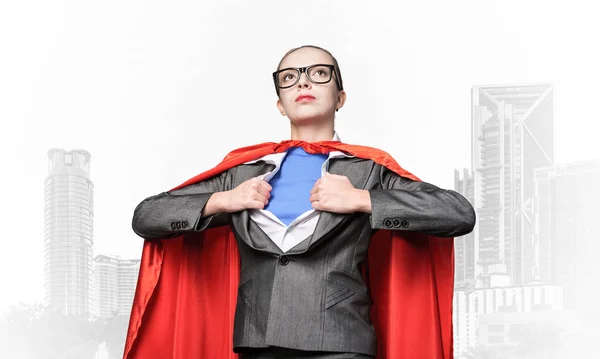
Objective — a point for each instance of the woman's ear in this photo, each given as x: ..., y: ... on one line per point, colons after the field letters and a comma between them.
x: 280, y: 107
x: 341, y: 99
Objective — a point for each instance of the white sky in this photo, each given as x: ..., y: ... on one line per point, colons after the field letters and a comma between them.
x: 158, y: 93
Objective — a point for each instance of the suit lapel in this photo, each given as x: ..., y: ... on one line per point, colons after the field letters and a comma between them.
x: 254, y: 236
x: 248, y: 230
x: 358, y: 172
x: 247, y: 171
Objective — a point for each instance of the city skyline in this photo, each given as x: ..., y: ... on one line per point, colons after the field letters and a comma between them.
x: 520, y: 265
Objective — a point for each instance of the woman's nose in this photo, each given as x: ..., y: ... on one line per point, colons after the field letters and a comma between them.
x: 303, y: 80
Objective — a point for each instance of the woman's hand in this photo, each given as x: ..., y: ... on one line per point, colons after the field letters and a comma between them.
x: 335, y: 193
x: 251, y: 194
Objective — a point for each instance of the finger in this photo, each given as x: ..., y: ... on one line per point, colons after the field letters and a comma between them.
x: 260, y: 198
x: 314, y: 197
x: 314, y: 190
x: 257, y: 205
x: 264, y: 193
x: 266, y: 185
x: 261, y: 186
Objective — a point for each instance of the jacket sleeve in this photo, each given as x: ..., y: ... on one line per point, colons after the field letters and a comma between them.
x: 170, y: 214
x: 404, y: 204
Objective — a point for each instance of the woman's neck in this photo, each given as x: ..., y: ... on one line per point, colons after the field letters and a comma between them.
x: 312, y: 133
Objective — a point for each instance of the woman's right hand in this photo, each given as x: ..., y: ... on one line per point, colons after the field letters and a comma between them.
x: 251, y: 194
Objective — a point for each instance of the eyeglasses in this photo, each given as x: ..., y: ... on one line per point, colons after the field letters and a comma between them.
x: 318, y: 74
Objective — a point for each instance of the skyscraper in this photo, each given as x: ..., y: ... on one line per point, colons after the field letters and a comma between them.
x: 465, y: 247
x: 566, y: 238
x: 114, y: 285
x: 106, y: 283
x: 68, y: 233
x: 512, y: 134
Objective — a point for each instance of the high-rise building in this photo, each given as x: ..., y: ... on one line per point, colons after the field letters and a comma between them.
x: 128, y: 276
x: 114, y: 285
x: 465, y: 247
x: 566, y: 238
x: 106, y: 282
x: 68, y: 233
x: 512, y: 134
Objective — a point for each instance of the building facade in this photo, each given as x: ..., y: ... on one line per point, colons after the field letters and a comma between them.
x: 512, y: 134
x: 465, y: 247
x: 114, y: 285
x: 566, y: 238
x: 68, y: 233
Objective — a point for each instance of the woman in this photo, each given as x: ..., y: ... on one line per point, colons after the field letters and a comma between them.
x: 303, y: 214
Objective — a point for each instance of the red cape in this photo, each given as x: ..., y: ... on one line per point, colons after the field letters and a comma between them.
x: 187, y: 287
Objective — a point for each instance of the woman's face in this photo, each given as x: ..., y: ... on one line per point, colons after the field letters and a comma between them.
x: 322, y: 100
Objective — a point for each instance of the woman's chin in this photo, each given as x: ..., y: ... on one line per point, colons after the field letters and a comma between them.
x: 308, y: 118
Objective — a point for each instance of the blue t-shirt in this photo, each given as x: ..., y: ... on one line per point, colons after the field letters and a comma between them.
x: 290, y: 196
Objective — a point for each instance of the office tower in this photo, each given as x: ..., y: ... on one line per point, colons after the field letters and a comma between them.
x: 106, y: 281
x: 566, y: 237
x: 465, y: 247
x: 512, y: 134
x: 68, y: 240
x: 128, y: 276
x: 114, y: 285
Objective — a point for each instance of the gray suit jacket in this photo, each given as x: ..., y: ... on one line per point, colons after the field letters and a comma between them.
x: 312, y: 297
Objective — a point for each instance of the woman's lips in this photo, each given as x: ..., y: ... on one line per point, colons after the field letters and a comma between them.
x: 304, y: 98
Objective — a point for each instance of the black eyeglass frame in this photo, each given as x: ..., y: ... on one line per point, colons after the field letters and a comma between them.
x: 304, y: 70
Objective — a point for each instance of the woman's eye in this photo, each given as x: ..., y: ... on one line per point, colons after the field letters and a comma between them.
x: 319, y: 73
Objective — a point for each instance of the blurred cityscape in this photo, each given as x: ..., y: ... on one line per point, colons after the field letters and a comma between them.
x: 87, y: 298
x: 524, y: 277
x: 524, y: 284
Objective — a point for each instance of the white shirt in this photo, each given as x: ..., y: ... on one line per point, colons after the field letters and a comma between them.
x: 287, y: 237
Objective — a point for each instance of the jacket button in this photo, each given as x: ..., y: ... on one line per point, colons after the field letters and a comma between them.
x: 173, y: 227
x: 404, y: 223
x: 284, y: 260
x: 396, y: 223
x: 184, y: 224
x: 388, y: 223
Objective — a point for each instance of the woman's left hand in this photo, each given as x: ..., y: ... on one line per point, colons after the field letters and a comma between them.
x: 335, y: 193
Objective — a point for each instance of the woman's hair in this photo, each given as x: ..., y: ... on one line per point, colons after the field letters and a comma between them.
x: 338, y: 73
